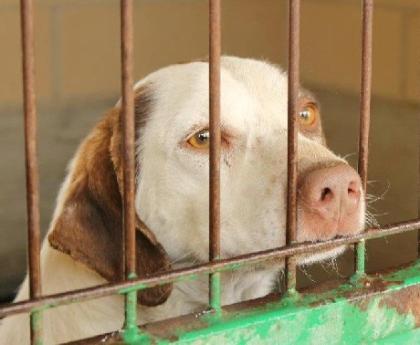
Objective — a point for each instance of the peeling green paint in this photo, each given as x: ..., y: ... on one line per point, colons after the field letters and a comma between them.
x: 409, y: 276
x: 360, y: 261
x: 36, y: 326
x: 215, y: 293
x: 348, y: 315
x: 131, y: 331
x: 338, y: 323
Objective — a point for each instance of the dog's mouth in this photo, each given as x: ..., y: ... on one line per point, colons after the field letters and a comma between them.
x: 333, y: 252
x: 322, y: 255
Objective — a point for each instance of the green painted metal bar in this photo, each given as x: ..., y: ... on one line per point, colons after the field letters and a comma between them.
x: 215, y: 293
x: 36, y: 325
x: 361, y: 259
x: 131, y: 330
x: 378, y: 310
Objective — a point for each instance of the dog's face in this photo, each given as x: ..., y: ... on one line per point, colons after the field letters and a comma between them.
x: 172, y: 195
x: 173, y: 192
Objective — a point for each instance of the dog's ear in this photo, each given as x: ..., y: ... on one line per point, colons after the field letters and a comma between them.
x: 88, y: 224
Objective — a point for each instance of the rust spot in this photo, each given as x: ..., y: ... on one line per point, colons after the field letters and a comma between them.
x: 369, y: 286
x: 376, y: 285
x: 363, y: 304
x: 113, y: 338
x: 405, y: 301
x: 323, y: 287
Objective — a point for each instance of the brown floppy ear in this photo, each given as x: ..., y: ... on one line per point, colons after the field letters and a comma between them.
x: 88, y: 226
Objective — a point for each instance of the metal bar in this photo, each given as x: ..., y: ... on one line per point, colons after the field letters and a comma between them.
x: 31, y: 161
x: 275, y: 254
x: 391, y: 299
x: 215, y: 135
x: 293, y: 95
x: 366, y: 87
x: 128, y: 121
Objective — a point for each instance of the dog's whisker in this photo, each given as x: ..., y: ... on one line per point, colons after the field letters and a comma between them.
x: 348, y: 155
x: 307, y: 274
x: 371, y: 219
x: 371, y: 198
x: 332, y: 262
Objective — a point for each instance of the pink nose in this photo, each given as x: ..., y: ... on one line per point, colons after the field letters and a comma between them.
x: 330, y: 199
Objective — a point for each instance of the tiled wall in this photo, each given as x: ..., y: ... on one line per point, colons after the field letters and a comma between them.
x: 78, y: 40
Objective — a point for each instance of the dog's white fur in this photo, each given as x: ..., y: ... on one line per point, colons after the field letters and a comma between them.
x: 172, y: 196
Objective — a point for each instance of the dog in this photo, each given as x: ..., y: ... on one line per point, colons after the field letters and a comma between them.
x: 83, y: 247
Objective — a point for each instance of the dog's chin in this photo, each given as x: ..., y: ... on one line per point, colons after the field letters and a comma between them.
x: 323, y: 255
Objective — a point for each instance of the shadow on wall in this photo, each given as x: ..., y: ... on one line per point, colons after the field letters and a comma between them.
x: 78, y: 79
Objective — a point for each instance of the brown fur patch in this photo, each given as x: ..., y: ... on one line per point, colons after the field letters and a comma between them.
x: 89, y: 228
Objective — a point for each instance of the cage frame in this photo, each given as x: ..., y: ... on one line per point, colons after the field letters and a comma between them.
x: 370, y: 297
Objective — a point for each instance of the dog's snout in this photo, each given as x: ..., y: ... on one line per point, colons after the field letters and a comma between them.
x: 330, y: 198
x: 332, y: 188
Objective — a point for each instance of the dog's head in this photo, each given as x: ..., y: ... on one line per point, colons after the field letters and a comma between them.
x: 172, y: 195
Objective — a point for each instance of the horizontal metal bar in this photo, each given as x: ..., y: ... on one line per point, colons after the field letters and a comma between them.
x: 54, y: 300
x: 389, y: 301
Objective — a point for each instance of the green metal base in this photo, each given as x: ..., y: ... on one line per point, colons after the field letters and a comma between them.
x: 377, y: 310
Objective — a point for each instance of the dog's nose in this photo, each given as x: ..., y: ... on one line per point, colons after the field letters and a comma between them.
x: 331, y: 197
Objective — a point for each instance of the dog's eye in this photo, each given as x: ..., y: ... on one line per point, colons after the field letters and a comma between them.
x: 308, y: 115
x: 200, y: 140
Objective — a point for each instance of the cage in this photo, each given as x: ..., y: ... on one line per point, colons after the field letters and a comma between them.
x: 366, y: 308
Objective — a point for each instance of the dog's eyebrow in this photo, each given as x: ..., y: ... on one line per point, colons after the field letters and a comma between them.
x: 304, y: 93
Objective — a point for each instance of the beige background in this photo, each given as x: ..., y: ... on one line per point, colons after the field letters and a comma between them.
x: 78, y: 66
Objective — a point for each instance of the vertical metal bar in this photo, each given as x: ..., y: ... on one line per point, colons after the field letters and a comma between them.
x: 293, y: 94
x: 128, y: 121
x: 366, y: 86
x: 214, y: 109
x: 31, y: 161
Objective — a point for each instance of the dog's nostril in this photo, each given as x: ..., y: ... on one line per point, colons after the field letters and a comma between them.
x: 353, y: 190
x: 326, y: 194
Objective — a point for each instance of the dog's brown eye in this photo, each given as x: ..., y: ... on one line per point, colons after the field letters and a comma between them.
x: 200, y: 140
x: 308, y: 115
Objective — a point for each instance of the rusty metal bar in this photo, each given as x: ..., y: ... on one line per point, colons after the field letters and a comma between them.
x: 366, y: 87
x: 293, y: 94
x: 31, y: 161
x: 128, y: 133
x: 275, y: 254
x: 215, y: 136
x: 365, y: 99
x: 128, y: 121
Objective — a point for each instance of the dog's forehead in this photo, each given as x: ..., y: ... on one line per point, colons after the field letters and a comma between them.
x: 253, y: 94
